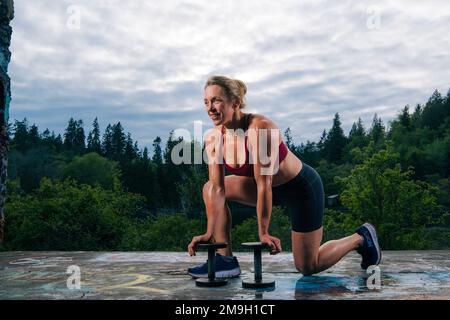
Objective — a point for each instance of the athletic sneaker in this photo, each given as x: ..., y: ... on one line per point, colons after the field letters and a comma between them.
x: 226, y: 267
x: 370, y: 249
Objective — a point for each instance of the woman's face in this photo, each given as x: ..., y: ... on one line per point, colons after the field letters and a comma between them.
x: 217, y: 105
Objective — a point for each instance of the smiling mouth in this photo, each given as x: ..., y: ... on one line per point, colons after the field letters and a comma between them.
x: 213, y: 116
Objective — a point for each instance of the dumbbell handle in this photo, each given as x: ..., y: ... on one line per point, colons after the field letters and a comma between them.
x: 211, y: 263
x: 258, y: 264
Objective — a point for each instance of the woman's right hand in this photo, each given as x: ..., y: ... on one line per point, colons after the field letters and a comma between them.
x: 192, y: 247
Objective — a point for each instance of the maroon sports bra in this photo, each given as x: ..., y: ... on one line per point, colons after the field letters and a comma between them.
x: 247, y: 169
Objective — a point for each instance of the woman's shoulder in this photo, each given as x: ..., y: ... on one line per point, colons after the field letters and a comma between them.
x: 259, y: 121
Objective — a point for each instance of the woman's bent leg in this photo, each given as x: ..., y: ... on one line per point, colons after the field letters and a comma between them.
x: 310, y: 257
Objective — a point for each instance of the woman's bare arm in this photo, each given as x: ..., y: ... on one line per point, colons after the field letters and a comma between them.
x: 263, y: 140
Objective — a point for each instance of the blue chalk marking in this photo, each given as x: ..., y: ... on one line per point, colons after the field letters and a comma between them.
x: 328, y: 284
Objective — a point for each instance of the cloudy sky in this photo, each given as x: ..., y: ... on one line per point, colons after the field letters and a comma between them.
x: 144, y: 62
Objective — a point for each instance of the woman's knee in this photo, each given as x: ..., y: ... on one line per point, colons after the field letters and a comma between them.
x: 209, y: 192
x: 306, y: 268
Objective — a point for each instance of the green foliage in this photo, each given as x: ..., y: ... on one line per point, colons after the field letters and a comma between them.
x: 357, y: 139
x: 68, y: 216
x: 328, y: 171
x: 164, y: 233
x: 377, y: 132
x: 190, y: 190
x: 338, y: 224
x: 396, y: 178
x: 380, y: 192
x: 34, y: 164
x: 93, y: 140
x: 74, y: 138
x: 335, y: 142
x: 94, y: 170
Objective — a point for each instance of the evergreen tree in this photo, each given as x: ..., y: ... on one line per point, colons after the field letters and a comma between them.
x: 117, y: 141
x: 48, y: 139
x: 58, y: 143
x: 288, y: 138
x: 20, y: 140
x: 434, y: 112
x: 357, y: 138
x: 80, y: 137
x: 130, y: 151
x: 107, y: 142
x: 357, y: 130
x: 74, y: 138
x: 136, y: 148
x: 309, y: 153
x: 94, y: 143
x: 157, y: 151
x: 321, y: 143
x: 447, y: 104
x: 377, y: 132
x: 171, y: 174
x: 335, y: 141
x: 145, y: 156
x: 405, y: 118
x: 33, y: 136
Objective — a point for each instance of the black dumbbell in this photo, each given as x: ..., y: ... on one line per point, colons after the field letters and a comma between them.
x: 211, y: 281
x: 258, y: 280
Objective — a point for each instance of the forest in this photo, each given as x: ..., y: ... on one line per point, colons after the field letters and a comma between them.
x: 97, y: 190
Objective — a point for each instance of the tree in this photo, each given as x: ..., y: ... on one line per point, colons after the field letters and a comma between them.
x: 377, y: 132
x: 33, y: 136
x: 405, y: 118
x: 130, y: 151
x: 20, y: 140
x: 94, y: 170
x: 434, y: 112
x: 288, y: 138
x: 74, y: 138
x: 309, y: 153
x: 145, y: 156
x: 65, y: 215
x: 357, y: 138
x: 117, y: 141
x: 170, y: 174
x: 380, y: 192
x: 157, y: 151
x: 190, y: 191
x: 335, y: 142
x: 93, y: 140
x: 107, y: 148
x: 321, y: 143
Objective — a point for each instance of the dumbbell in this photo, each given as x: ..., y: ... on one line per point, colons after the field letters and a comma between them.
x: 258, y: 280
x: 211, y: 281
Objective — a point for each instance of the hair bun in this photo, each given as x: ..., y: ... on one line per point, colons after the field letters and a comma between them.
x: 241, y: 85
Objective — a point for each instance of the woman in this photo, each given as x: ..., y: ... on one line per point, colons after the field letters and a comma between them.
x: 283, y: 180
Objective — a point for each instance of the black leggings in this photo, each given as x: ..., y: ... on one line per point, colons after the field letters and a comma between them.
x: 303, y: 197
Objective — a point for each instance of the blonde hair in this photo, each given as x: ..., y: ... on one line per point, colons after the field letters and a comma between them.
x: 234, y: 89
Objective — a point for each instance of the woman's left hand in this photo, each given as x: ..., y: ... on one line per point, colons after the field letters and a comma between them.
x: 273, y: 242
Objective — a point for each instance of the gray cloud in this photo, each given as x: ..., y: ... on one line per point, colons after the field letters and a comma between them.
x: 144, y: 64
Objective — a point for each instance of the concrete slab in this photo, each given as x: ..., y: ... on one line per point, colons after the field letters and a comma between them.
x: 162, y: 275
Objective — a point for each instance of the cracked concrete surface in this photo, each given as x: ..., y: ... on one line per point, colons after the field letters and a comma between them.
x: 162, y: 275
